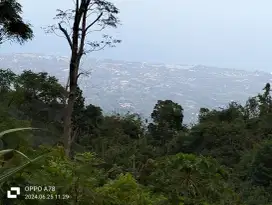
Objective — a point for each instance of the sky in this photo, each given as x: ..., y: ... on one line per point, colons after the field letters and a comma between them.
x: 228, y: 34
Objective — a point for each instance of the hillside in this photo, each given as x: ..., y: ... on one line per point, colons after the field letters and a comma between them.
x: 223, y: 159
x: 121, y: 86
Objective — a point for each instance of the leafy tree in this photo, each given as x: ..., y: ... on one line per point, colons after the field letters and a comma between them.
x: 252, y: 108
x: 232, y: 112
x: 7, y: 78
x: 252, y: 176
x: 86, y: 120
x: 167, y: 120
x: 36, y: 97
x: 190, y: 179
x: 260, y: 167
x: 265, y: 100
x: 40, y: 86
x: 125, y: 190
x: 12, y: 26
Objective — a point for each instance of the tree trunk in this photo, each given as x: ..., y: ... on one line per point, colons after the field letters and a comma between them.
x: 76, y: 43
x: 67, y: 128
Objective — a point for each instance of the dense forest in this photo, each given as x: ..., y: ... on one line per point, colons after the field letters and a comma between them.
x: 223, y: 159
x: 50, y: 137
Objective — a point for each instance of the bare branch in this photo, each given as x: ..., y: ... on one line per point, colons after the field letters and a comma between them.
x: 64, y: 31
x: 97, y: 19
x: 90, y: 31
x: 93, y: 12
x: 97, y: 49
x: 85, y: 73
x: 90, y: 6
x: 53, y: 29
x: 97, y: 46
x: 79, y: 75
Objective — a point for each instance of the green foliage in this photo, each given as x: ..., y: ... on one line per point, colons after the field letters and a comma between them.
x: 125, y: 190
x: 7, y: 78
x: 86, y: 120
x: 221, y: 140
x: 12, y: 26
x: 167, y: 121
x: 85, y: 183
x: 262, y: 173
x: 40, y: 86
x: 233, y: 112
x: 256, y: 165
x: 224, y: 159
x: 8, y: 154
x: 77, y: 177
x: 189, y: 178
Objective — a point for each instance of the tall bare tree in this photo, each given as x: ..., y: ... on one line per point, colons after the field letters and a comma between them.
x: 75, y: 25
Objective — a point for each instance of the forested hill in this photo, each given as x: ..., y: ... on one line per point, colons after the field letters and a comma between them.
x: 58, y: 148
x: 133, y: 86
x: 119, y: 160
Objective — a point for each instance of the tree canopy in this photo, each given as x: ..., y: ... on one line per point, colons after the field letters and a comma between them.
x: 12, y: 26
x: 123, y: 159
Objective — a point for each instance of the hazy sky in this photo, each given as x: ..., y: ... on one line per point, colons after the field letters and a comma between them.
x: 229, y: 33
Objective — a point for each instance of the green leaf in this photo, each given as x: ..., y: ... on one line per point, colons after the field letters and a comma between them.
x: 16, y: 130
x: 3, y: 177
x: 3, y: 152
